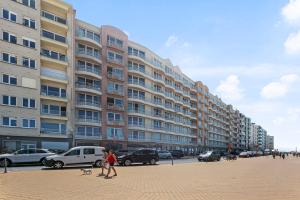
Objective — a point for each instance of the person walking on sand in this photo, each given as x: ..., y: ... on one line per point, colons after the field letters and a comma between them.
x: 103, y: 164
x: 111, y: 159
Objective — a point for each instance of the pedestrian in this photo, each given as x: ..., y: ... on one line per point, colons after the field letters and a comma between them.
x: 274, y: 155
x: 283, y: 156
x: 111, y: 159
x: 103, y: 164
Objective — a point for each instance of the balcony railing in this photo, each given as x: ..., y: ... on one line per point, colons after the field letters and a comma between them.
x: 88, y: 86
x: 58, y: 114
x: 89, y: 53
x: 88, y: 120
x: 53, y: 94
x: 53, y: 55
x: 115, y: 122
x: 91, y: 69
x: 53, y: 74
x: 52, y: 131
x: 115, y: 106
x: 89, y: 103
x: 115, y: 76
x: 53, y: 36
x: 53, y: 17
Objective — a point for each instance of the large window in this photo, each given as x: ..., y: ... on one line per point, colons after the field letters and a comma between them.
x: 88, y: 131
x: 137, y: 121
x: 28, y: 43
x: 28, y: 103
x: 114, y: 117
x: 29, y: 3
x: 9, y: 37
x: 9, y: 121
x: 9, y: 15
x: 115, y: 133
x: 112, y: 41
x: 28, y: 22
x: 8, y: 79
x: 9, y: 58
x: 136, y: 52
x: 9, y: 100
x: 28, y: 123
x: 53, y: 128
x: 27, y: 62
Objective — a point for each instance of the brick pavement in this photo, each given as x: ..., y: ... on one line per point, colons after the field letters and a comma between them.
x: 245, y: 179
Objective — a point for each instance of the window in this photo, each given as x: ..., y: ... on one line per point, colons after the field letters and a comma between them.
x: 29, y: 22
x: 89, y: 151
x: 9, y: 37
x: 28, y: 43
x: 75, y: 152
x: 9, y: 15
x: 9, y: 58
x: 27, y: 62
x: 115, y: 133
x: 9, y: 121
x: 28, y: 123
x: 28, y: 103
x: 9, y: 100
x: 29, y: 3
x: 8, y: 79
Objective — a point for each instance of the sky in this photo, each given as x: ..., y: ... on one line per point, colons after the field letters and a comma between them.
x: 246, y: 52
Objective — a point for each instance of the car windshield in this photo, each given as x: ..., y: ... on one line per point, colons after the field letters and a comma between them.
x: 207, y: 153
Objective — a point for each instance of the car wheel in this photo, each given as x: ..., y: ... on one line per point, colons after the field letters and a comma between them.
x: 127, y: 162
x: 2, y: 163
x: 43, y: 161
x: 152, y: 161
x: 58, y: 165
x: 98, y: 163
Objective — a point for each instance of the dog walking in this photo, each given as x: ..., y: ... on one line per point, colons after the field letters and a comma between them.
x: 111, y: 159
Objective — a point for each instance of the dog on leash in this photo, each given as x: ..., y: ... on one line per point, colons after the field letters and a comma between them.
x: 87, y: 171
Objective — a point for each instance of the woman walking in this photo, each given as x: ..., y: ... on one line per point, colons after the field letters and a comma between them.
x: 111, y: 159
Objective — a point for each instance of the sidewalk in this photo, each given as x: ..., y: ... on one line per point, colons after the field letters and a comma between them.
x: 245, y: 179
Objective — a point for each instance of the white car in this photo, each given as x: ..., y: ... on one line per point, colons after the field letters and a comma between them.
x: 25, y: 156
x: 80, y: 155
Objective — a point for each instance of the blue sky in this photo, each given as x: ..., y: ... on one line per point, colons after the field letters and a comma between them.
x: 247, y: 52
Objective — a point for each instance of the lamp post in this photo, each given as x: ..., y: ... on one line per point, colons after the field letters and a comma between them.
x: 5, y: 165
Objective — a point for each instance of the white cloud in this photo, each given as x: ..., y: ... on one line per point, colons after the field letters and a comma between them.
x: 172, y: 39
x: 291, y: 12
x: 279, y: 88
x: 229, y: 89
x: 292, y: 43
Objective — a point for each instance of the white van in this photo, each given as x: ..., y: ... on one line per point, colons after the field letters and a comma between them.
x: 80, y: 155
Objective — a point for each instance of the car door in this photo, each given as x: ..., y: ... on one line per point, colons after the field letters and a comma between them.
x: 136, y: 156
x: 20, y: 156
x: 73, y: 157
x: 89, y: 155
x: 32, y: 156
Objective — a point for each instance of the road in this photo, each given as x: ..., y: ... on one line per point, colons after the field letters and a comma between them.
x: 32, y: 168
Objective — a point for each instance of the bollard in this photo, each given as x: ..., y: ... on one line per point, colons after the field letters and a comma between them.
x: 172, y: 160
x: 5, y: 166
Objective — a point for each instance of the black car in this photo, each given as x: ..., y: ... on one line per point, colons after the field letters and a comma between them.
x: 140, y: 156
x: 177, y: 153
x: 209, y: 156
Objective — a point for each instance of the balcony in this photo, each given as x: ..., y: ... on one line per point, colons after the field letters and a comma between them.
x: 52, y: 19
x: 87, y: 87
x: 53, y: 39
x: 116, y: 122
x: 51, y: 56
x: 88, y: 104
x: 115, y: 107
x: 140, y: 111
x: 88, y: 121
x: 53, y: 95
x: 115, y: 76
x: 88, y: 136
x: 89, y: 54
x: 60, y: 115
x: 52, y: 132
x: 115, y: 45
x: 92, y: 38
x: 116, y: 92
x: 89, y: 70
x: 53, y: 75
x: 114, y: 60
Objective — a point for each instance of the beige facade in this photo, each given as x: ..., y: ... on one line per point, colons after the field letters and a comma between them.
x: 65, y: 82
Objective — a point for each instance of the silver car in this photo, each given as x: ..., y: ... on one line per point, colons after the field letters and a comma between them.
x: 164, y: 154
x: 25, y: 156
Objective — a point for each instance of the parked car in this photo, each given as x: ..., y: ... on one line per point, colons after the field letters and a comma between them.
x: 209, y: 156
x: 25, y: 156
x: 164, y: 154
x: 244, y: 154
x: 177, y: 153
x: 259, y: 153
x: 230, y: 157
x: 123, y: 152
x: 140, y: 156
x: 77, y: 156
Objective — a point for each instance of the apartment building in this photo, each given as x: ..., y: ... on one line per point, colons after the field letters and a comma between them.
x: 36, y: 69
x: 270, y: 142
x: 65, y: 82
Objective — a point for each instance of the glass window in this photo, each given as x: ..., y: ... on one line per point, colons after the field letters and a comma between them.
x: 5, y: 121
x: 88, y: 151
x: 75, y: 152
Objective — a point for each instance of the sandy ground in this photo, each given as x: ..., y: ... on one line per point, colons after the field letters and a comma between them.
x: 245, y: 179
